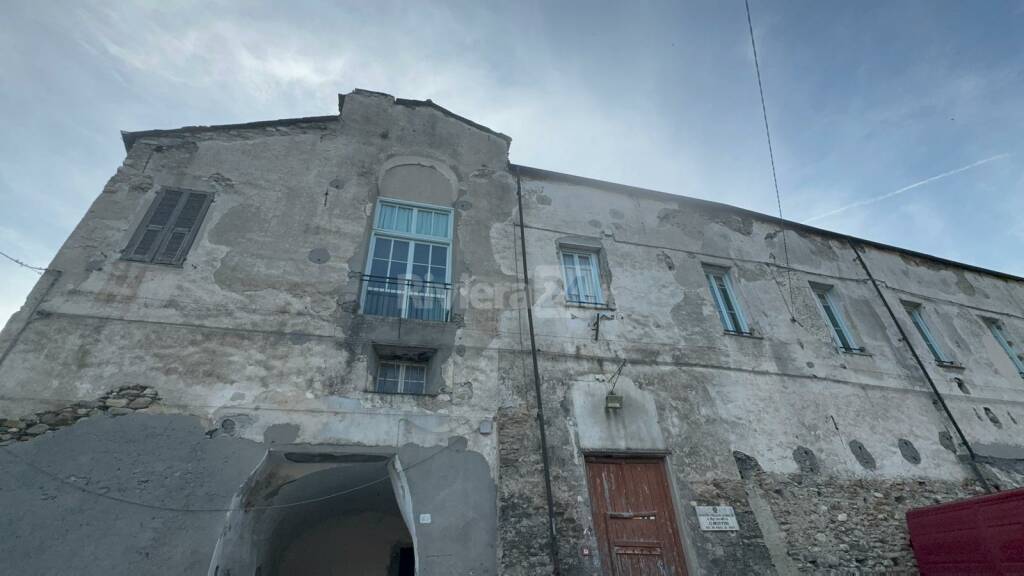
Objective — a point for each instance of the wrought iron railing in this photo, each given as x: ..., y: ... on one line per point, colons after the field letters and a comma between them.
x: 406, y: 298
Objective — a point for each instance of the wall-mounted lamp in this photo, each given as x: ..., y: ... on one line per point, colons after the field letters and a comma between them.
x: 612, y: 401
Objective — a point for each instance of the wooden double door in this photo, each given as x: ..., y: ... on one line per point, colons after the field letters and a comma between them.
x: 634, y: 518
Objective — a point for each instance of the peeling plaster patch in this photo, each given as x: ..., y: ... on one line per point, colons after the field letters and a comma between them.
x: 747, y: 465
x: 221, y: 181
x: 964, y: 284
x: 993, y: 418
x: 542, y: 198
x: 946, y: 440
x: 616, y: 214
x: 962, y: 386
x: 319, y: 255
x: 806, y: 460
x: 665, y: 259
x: 94, y: 265
x: 281, y: 434
x: 862, y: 455
x: 909, y: 452
x: 697, y: 220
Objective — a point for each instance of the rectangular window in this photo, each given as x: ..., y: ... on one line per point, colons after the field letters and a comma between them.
x: 166, y: 233
x: 1017, y: 358
x: 917, y: 317
x: 409, y: 263
x: 582, y: 279
x: 396, y: 377
x: 728, y: 305
x: 830, y: 309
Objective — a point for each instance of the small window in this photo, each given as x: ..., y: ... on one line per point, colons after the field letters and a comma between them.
x: 728, y: 305
x: 828, y: 302
x: 996, y: 327
x: 397, y: 377
x: 166, y: 233
x: 917, y: 317
x: 582, y: 279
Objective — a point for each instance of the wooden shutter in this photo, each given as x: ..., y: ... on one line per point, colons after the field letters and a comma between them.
x: 167, y: 232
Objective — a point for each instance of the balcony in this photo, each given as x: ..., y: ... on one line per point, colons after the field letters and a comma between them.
x: 406, y: 298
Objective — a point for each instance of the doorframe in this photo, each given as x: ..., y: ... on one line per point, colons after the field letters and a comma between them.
x: 685, y: 544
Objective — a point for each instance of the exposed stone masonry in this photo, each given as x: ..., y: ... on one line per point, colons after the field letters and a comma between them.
x: 123, y: 400
x: 849, y: 526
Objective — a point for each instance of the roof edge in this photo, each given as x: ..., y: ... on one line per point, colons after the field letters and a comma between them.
x: 130, y: 137
x: 428, y: 103
x: 574, y: 179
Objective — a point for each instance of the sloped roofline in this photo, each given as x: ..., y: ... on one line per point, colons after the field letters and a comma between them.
x: 428, y: 103
x: 541, y: 173
x: 129, y: 138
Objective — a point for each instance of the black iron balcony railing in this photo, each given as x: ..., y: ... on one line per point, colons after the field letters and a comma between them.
x: 406, y: 298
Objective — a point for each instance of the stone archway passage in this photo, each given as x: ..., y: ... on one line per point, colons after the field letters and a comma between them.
x: 317, y: 511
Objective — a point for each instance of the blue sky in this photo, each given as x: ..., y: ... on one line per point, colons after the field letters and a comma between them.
x: 901, y: 122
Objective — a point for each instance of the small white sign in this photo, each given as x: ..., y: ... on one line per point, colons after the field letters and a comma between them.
x: 425, y: 519
x: 717, y: 518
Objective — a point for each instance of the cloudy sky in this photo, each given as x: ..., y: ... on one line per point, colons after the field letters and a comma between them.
x: 900, y: 122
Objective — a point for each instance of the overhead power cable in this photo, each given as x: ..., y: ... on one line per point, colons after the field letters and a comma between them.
x: 36, y: 269
x: 771, y: 157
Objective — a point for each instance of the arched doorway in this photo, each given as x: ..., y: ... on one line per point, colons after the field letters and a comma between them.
x: 313, y: 511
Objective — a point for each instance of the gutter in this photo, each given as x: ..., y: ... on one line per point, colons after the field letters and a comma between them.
x: 927, y: 376
x: 552, y: 532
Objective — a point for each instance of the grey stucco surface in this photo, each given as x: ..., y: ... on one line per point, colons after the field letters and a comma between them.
x: 163, y: 463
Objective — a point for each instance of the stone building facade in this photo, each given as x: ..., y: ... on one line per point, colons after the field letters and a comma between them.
x: 306, y: 345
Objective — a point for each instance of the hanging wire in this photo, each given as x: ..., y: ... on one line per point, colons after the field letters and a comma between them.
x: 771, y: 157
x: 35, y: 269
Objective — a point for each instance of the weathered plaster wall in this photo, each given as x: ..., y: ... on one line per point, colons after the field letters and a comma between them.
x: 258, y: 332
x: 60, y: 491
x: 256, y: 344
x: 826, y: 429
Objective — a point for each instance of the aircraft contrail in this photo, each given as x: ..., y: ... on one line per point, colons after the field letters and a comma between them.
x: 904, y: 189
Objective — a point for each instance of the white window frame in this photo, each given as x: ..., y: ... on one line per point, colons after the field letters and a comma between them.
x: 413, y: 239
x: 828, y: 293
x: 403, y: 367
x: 595, y: 274
x: 712, y: 273
x: 916, y: 313
x: 996, y: 328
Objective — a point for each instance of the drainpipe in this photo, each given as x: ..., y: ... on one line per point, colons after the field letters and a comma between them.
x: 552, y: 535
x: 920, y: 364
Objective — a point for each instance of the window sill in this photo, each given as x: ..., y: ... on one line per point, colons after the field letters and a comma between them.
x: 178, y: 265
x: 855, y: 352
x: 743, y: 334
x: 950, y: 365
x: 414, y: 394
x: 589, y: 306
